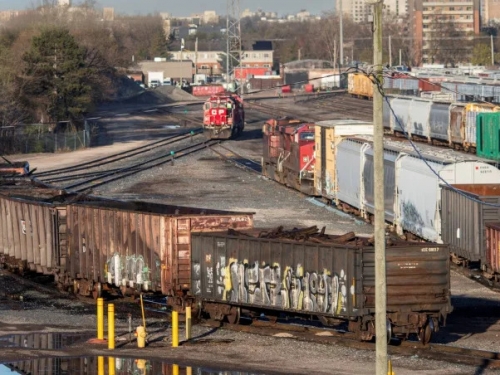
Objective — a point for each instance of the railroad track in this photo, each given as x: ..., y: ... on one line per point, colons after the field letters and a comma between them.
x: 54, y: 175
x: 479, y: 358
x: 236, y: 159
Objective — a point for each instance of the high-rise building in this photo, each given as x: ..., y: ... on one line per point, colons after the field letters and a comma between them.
x: 359, y: 10
x: 490, y: 11
x: 427, y: 15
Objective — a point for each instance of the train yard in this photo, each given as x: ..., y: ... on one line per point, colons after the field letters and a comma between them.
x: 185, y: 170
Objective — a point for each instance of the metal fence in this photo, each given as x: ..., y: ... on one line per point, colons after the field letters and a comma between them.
x: 12, y: 142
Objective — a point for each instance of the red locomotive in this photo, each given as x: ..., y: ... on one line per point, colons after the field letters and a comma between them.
x: 223, y: 116
x: 289, y: 153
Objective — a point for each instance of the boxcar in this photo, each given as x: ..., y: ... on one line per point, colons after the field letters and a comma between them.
x: 235, y: 274
x: 464, y: 220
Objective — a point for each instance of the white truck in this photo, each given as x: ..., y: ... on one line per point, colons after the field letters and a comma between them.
x: 155, y: 79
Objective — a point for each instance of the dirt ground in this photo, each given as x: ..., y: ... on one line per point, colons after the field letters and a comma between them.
x: 204, y: 180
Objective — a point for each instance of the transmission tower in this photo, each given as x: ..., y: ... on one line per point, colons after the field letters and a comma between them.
x: 233, y: 33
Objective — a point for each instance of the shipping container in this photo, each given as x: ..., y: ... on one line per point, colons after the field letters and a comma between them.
x: 140, y: 245
x: 325, y: 280
x: 328, y: 134
x: 429, y: 84
x: 488, y: 135
x: 464, y: 217
x: 207, y: 90
x: 493, y: 248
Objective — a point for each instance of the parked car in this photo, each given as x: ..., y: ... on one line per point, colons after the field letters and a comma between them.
x: 154, y: 83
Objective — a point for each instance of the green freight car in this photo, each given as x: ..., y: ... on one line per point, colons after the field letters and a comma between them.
x: 488, y: 135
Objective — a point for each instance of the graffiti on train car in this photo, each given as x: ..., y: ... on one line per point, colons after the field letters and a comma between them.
x: 131, y: 270
x: 271, y: 285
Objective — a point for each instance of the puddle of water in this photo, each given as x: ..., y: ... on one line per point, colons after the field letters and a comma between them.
x: 107, y: 366
x: 42, y: 340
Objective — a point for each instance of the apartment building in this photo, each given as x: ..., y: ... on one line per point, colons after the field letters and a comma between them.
x: 359, y: 11
x: 463, y: 14
x: 490, y: 11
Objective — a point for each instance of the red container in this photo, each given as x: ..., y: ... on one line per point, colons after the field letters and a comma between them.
x: 207, y: 90
x: 493, y: 246
x: 243, y: 73
x: 309, y: 87
x: 286, y: 89
x: 425, y: 85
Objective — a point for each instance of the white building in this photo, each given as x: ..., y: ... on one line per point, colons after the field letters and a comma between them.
x: 64, y: 3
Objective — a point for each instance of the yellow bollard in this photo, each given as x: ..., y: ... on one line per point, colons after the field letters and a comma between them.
x: 188, y: 322
x: 111, y: 326
x: 100, y: 319
x: 189, y: 371
x: 100, y: 365
x: 141, y: 337
x: 175, y: 369
x: 175, y: 329
x: 111, y: 366
x: 389, y: 368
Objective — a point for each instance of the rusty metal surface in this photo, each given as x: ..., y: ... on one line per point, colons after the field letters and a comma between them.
x: 335, y: 280
x: 463, y: 220
x: 29, y: 233
x: 493, y: 246
x: 147, y: 249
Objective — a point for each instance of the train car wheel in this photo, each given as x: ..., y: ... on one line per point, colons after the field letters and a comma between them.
x: 425, y: 334
x: 97, y: 291
x: 234, y: 315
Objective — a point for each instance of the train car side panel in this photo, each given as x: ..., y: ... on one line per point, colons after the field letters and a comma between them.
x: 417, y: 189
x: 488, y: 135
x: 323, y: 280
x: 439, y: 122
x: 349, y: 172
x: 464, y: 220
x: 493, y: 246
x: 277, y: 275
x: 418, y: 121
x: 400, y: 115
x: 457, y: 125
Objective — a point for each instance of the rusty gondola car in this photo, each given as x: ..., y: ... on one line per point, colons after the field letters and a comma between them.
x: 91, y: 244
x: 329, y: 277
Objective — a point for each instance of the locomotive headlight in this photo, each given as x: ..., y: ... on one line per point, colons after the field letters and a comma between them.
x: 305, y: 159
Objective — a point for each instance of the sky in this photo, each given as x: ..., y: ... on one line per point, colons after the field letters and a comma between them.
x: 185, y: 8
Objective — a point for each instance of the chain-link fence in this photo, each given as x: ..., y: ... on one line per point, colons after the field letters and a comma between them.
x: 13, y: 141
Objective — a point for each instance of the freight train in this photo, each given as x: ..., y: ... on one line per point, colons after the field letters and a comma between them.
x: 217, y: 263
x: 427, y: 193
x: 223, y: 116
x: 451, y: 124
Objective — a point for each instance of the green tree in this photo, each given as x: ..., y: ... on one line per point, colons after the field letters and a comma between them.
x: 57, y: 81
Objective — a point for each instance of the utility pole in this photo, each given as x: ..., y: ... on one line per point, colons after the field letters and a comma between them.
x: 341, y: 34
x: 400, y: 57
x: 492, y: 51
x: 196, y: 56
x: 390, y: 52
x: 378, y: 158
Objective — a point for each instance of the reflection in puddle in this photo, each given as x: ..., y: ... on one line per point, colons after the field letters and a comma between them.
x: 42, y: 340
x: 107, y: 366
